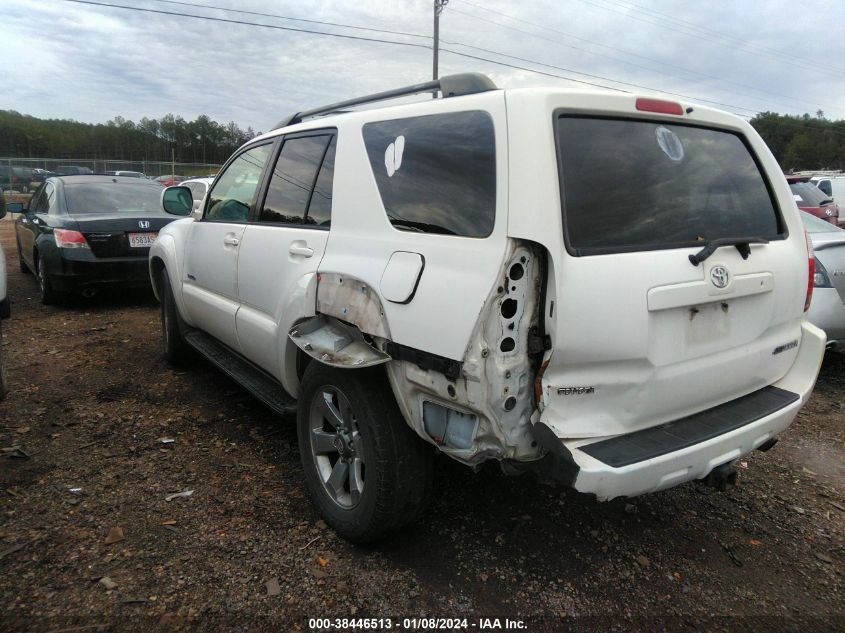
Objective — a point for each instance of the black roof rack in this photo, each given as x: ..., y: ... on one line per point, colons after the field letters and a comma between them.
x: 449, y: 86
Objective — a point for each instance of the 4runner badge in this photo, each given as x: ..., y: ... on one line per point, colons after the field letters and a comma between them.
x: 720, y: 276
x: 575, y: 391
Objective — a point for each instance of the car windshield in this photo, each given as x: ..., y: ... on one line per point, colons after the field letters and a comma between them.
x: 111, y: 197
x: 629, y: 185
x: 807, y: 194
x: 812, y: 224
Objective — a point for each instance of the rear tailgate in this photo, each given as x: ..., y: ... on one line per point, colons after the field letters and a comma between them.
x: 643, y: 336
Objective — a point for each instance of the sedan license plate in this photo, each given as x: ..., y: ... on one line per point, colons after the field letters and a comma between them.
x: 142, y: 240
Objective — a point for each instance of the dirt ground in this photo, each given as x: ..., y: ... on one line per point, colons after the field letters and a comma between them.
x: 92, y: 399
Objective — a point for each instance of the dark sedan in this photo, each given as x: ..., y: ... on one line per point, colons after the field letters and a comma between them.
x: 82, y: 233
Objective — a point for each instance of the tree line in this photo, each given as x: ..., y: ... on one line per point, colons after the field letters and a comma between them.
x: 803, y: 143
x: 199, y: 141
x: 798, y: 142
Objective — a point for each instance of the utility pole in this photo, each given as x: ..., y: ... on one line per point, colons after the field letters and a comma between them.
x: 438, y: 9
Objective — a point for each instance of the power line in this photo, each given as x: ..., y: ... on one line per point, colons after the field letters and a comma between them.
x: 698, y: 34
x: 577, y: 72
x: 606, y: 46
x: 625, y: 4
x: 416, y: 45
x: 243, y: 22
x: 286, y: 17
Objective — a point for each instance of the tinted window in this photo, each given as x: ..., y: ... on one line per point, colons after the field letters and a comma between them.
x: 436, y: 174
x: 112, y: 197
x: 293, y: 180
x: 824, y: 185
x: 50, y: 192
x: 807, y: 194
x: 320, y: 208
x: 40, y: 203
x: 636, y: 185
x: 231, y: 198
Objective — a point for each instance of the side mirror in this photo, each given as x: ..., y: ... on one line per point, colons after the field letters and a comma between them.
x: 177, y: 200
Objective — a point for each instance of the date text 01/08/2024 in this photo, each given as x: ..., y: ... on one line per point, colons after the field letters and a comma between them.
x: 414, y: 624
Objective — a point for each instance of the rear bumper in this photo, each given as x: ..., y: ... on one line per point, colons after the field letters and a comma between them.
x: 588, y: 474
x: 71, y: 275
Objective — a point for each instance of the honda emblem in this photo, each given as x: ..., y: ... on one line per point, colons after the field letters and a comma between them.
x: 144, y: 224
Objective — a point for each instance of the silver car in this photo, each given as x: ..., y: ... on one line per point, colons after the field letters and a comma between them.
x: 827, y: 309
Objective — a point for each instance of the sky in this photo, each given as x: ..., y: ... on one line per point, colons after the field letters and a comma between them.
x: 91, y: 62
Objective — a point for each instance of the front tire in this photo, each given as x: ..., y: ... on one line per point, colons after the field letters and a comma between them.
x: 175, y: 347
x: 366, y: 471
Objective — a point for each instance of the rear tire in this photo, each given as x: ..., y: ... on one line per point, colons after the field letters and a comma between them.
x: 175, y: 347
x: 45, y: 285
x: 366, y: 471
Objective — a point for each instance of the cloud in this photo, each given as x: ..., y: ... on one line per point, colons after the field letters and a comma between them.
x: 67, y: 60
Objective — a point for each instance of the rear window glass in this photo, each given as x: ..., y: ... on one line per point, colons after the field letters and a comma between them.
x: 111, y: 197
x: 808, y: 194
x: 635, y: 185
x: 437, y: 173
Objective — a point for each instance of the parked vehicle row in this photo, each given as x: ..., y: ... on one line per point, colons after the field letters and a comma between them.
x: 450, y: 275
x: 813, y: 200
x: 82, y: 233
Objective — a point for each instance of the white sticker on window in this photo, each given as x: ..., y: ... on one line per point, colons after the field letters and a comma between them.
x: 669, y: 143
x: 798, y: 198
x: 393, y: 155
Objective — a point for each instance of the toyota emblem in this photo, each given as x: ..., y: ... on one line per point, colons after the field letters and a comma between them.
x: 720, y: 276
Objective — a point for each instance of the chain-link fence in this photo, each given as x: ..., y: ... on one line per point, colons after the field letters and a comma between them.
x: 23, y: 175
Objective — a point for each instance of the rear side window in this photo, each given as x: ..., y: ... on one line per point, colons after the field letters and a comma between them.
x: 824, y: 185
x: 631, y: 185
x: 437, y: 173
x: 294, y: 177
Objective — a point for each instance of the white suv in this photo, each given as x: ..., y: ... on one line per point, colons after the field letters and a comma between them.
x: 607, y: 290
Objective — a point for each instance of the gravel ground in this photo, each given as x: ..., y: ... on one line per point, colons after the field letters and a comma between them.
x: 89, y: 541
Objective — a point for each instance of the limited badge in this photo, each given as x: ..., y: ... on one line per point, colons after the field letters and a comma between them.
x: 669, y: 143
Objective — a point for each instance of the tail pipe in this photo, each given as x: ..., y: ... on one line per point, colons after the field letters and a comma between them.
x: 722, y: 477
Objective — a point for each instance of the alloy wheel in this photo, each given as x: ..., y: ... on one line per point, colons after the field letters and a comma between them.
x: 336, y: 446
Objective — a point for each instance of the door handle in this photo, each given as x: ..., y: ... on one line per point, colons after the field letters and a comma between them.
x: 231, y: 241
x: 298, y: 248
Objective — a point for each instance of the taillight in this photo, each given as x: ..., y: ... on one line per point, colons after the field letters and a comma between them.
x: 811, y: 271
x: 69, y: 239
x: 659, y: 105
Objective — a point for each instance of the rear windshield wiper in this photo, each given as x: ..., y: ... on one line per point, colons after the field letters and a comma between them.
x: 743, y: 245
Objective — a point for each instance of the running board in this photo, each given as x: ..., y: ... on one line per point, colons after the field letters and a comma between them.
x: 254, y: 380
